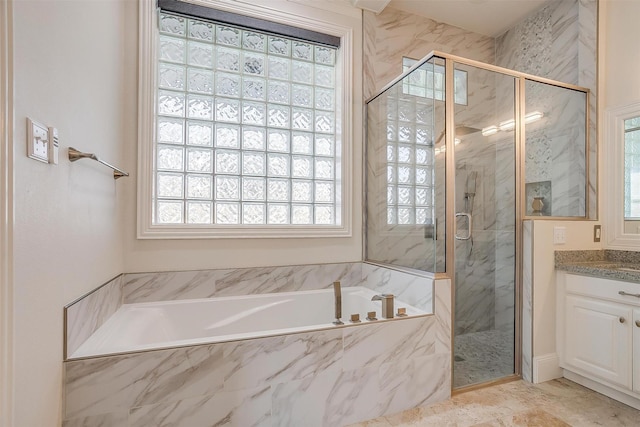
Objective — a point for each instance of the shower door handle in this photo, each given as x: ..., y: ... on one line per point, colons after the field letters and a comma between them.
x: 469, y: 230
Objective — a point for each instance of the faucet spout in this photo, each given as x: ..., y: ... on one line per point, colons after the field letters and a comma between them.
x: 337, y: 296
x: 387, y: 304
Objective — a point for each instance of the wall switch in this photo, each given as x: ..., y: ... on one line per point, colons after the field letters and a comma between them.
x: 559, y: 235
x: 37, y: 141
x: 597, y: 229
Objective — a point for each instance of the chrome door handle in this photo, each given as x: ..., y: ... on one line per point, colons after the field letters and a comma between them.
x: 470, y: 229
x: 627, y: 294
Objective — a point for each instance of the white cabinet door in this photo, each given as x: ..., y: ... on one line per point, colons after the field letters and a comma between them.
x: 636, y: 350
x: 598, y: 338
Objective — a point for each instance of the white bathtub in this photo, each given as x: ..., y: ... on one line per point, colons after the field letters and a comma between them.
x: 154, y: 325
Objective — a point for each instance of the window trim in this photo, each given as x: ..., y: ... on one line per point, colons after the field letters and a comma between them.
x: 146, y: 131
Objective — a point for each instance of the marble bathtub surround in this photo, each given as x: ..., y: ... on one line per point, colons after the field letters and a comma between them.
x: 84, y: 316
x: 611, y: 264
x: 322, y: 378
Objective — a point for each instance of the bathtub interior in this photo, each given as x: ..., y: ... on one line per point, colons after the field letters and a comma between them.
x: 154, y: 325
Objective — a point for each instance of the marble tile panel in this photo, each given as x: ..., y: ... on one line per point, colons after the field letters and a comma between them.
x: 373, y: 344
x: 409, y: 288
x: 108, y: 384
x: 168, y: 286
x: 112, y: 419
x: 261, y: 362
x: 243, y: 408
x: 527, y: 300
x: 442, y: 308
x: 85, y: 316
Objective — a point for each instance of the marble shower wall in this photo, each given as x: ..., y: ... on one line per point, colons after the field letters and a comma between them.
x: 324, y: 378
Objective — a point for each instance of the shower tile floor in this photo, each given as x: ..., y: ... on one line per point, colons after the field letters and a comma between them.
x: 556, y: 403
x: 482, y: 356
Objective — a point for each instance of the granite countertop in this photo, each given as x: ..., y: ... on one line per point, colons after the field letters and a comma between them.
x: 608, y: 264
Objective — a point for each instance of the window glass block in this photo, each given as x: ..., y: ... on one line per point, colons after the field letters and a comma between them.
x: 404, y: 216
x: 422, y: 216
x: 405, y: 175
x: 278, y: 164
x: 324, y: 76
x: 392, y: 133
x: 405, y: 195
x: 253, y: 138
x: 405, y: 133
x: 301, y: 191
x: 302, y: 143
x: 200, y: 107
x: 391, y: 153
x: 170, y: 103
x: 324, y: 215
x: 227, y: 36
x: 302, y: 167
x: 199, y: 133
x: 324, y: 192
x: 253, y: 163
x: 227, y: 213
x: 279, y: 68
x: 302, y: 214
x: 228, y: 85
x: 392, y: 109
x: 324, y: 169
x: 325, y: 122
x: 421, y: 156
x: 278, y: 92
x: 278, y: 140
x: 170, y: 185
x: 424, y: 114
x: 199, y: 187
x: 200, y: 30
x: 301, y: 50
x: 253, y: 189
x: 302, y: 72
x: 324, y: 145
x: 253, y: 213
x: 170, y: 158
x: 278, y: 214
x: 423, y: 176
x: 278, y: 116
x: 278, y: 190
x: 254, y: 88
x: 171, y: 76
x: 325, y: 99
x: 169, y: 212
x: 423, y: 196
x: 254, y: 113
x: 254, y: 63
x: 279, y: 46
x: 227, y: 162
x: 227, y: 59
x: 391, y: 174
x: 302, y: 96
x: 391, y: 195
x: 405, y: 153
x: 227, y: 136
x: 325, y: 55
x: 198, y: 212
x: 172, y: 49
x: 227, y: 188
x: 170, y: 131
x: 227, y: 110
x: 171, y: 24
x: 423, y: 136
x: 254, y: 41
x: 199, y: 54
x: 302, y: 119
x: 199, y: 160
x: 200, y: 81
x: 391, y: 216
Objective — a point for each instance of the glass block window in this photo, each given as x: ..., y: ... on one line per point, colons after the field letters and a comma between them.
x: 632, y: 168
x: 410, y: 161
x: 428, y: 82
x: 246, y: 127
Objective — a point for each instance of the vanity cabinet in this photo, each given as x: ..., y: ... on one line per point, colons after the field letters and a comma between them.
x: 598, y: 333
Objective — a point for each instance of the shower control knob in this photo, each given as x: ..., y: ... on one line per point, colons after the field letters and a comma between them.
x: 371, y: 315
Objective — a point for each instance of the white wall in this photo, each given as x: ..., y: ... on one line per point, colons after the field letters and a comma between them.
x: 167, y: 255
x: 73, y: 62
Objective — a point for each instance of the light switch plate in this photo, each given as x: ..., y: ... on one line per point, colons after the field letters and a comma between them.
x: 37, y: 141
x: 559, y: 235
x: 597, y: 231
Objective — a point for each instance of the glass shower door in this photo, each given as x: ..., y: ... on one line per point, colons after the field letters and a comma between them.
x: 485, y: 226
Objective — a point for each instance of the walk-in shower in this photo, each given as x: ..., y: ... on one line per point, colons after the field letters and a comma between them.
x: 458, y: 151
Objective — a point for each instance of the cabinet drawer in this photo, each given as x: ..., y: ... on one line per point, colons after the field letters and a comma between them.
x: 603, y: 288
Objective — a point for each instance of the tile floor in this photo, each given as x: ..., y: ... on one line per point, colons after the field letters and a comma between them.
x: 557, y: 403
x: 482, y: 356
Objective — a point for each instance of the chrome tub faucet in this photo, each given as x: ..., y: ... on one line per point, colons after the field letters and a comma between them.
x: 387, y: 304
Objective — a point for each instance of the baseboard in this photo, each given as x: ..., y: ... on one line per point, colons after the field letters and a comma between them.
x: 603, y: 389
x: 546, y: 367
